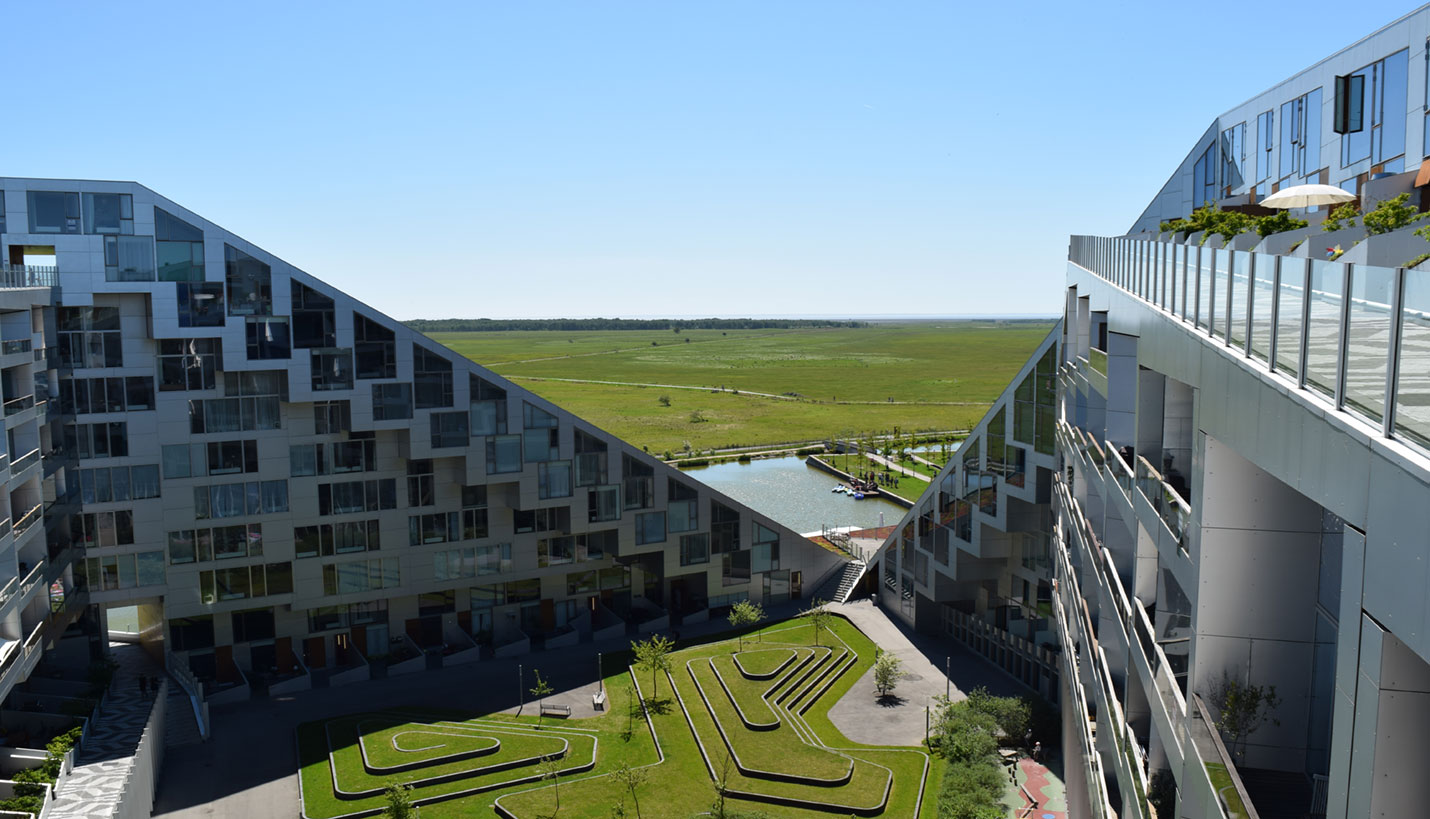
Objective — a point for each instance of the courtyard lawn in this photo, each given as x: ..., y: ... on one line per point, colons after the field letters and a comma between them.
x: 445, y: 754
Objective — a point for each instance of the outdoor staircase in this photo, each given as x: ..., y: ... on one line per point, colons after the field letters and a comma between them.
x: 853, y: 570
x: 180, y: 727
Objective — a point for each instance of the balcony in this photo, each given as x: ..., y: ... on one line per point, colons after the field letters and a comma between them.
x: 11, y: 347
x: 25, y: 461
x: 28, y: 275
x: 18, y: 405
x: 25, y: 521
x: 1169, y: 505
x: 1354, y: 336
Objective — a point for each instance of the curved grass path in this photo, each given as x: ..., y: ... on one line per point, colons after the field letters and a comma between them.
x: 462, y: 766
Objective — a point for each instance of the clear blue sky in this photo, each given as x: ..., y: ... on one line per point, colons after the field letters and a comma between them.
x: 666, y: 158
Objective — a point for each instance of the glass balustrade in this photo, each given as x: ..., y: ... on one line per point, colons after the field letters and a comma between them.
x: 1263, y: 297
x: 1240, y: 295
x: 1412, y: 393
x: 1323, y: 330
x: 1206, y: 274
x: 1288, y: 316
x: 1368, y: 339
x: 1221, y: 275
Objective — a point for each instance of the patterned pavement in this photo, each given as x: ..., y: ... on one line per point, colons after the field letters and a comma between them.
x: 94, y: 789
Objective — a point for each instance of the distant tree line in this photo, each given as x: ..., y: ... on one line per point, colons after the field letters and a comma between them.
x: 496, y: 325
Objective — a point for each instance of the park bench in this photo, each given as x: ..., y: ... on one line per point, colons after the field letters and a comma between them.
x: 554, y: 710
x: 598, y: 700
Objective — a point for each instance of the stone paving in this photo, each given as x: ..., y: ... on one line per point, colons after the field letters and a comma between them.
x: 94, y: 788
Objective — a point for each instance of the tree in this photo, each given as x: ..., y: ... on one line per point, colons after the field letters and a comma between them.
x: 550, y: 768
x: 1242, y: 708
x: 539, y: 691
x: 631, y: 779
x: 818, y: 617
x: 888, y: 670
x: 399, y: 801
x: 745, y: 613
x: 664, y: 400
x: 722, y: 785
x: 653, y: 655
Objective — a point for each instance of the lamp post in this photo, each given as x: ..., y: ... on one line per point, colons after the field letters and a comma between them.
x: 520, y: 694
x: 947, y: 675
x: 600, y: 680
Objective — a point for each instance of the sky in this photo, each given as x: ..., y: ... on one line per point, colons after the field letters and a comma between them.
x: 551, y: 159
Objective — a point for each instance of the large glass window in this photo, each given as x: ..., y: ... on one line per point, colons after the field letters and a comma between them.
x: 650, y: 528
x: 250, y: 284
x: 188, y: 363
x: 375, y: 347
x: 332, y: 369
x: 449, y: 429
x: 488, y: 406
x: 682, y: 506
x: 553, y: 479
x: 109, y: 213
x: 1265, y: 141
x: 694, y: 549
x: 474, y: 514
x: 53, y: 212
x: 724, y: 528
x: 590, y: 464
x: 391, y: 402
x: 1370, y: 111
x: 603, y: 503
x: 638, y: 483
x: 357, y: 496
x: 503, y: 454
x: 180, y: 248
x: 201, y: 304
x: 129, y: 258
x: 540, y: 434
x: 90, y: 337
x: 1204, y: 177
x: 1233, y: 156
x: 315, y: 319
x: 1301, y: 135
x: 431, y: 377
x: 268, y: 339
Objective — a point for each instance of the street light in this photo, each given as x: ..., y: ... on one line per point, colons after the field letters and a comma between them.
x: 947, y: 675
x: 600, y: 680
x: 520, y: 695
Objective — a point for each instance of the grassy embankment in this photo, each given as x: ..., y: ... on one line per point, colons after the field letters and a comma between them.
x: 832, y: 383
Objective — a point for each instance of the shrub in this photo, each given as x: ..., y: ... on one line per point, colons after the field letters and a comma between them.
x: 1390, y: 214
x: 1341, y: 218
x: 1278, y: 222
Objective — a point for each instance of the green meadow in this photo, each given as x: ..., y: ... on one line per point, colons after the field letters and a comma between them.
x: 758, y: 387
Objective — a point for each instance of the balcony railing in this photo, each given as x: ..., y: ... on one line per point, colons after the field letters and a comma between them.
x: 20, y: 404
x: 30, y: 518
x: 1097, y: 361
x: 25, y: 461
x: 1120, y: 471
x: 20, y: 345
x: 1308, y: 320
x: 1167, y: 502
x: 28, y: 275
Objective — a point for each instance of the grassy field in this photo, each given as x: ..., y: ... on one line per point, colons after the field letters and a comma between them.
x: 432, y: 748
x: 756, y: 387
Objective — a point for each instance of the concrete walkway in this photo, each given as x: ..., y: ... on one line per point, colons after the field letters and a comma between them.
x: 889, y: 464
x: 899, y: 718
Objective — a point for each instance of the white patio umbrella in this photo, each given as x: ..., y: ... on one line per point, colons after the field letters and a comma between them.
x: 1305, y: 196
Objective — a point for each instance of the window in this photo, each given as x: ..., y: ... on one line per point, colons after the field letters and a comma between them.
x: 89, y: 337
x: 555, y: 551
x: 650, y: 528
x: 201, y: 304
x: 98, y: 440
x: 129, y: 258
x: 557, y: 519
x: 694, y: 549
x: 250, y: 284
x: 765, y: 555
x: 314, y: 319
x: 118, y: 484
x: 474, y: 513
x: 121, y: 571
x: 449, y: 429
x: 553, y: 480
x: 331, y: 417
x: 182, y: 460
x: 1301, y: 135
x: 682, y: 506
x: 233, y: 414
x: 232, y: 457
x: 539, y: 439
x: 1204, y: 177
x: 84, y: 396
x: 338, y: 457
x: 376, y: 348
x: 53, y: 212
x: 724, y: 528
x: 493, y: 559
x: 1369, y: 115
x: 1265, y: 141
x: 638, y: 483
x: 218, y: 543
x: 332, y: 369
x: 103, y: 529
x: 390, y: 402
x: 188, y: 363
x: 267, y: 338
x: 357, y: 496
x: 603, y: 503
x: 438, y: 528
x: 361, y: 575
x: 431, y: 378
x: 328, y: 539
x: 326, y: 618
x: 488, y: 406
x: 590, y: 463
x: 421, y: 483
x: 239, y: 499
x: 243, y: 582
x: 503, y: 454
x: 108, y: 213
x: 735, y: 568
x: 254, y: 624
x: 180, y: 248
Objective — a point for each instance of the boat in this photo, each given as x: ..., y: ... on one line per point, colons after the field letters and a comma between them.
x: 838, y: 488
x: 858, y: 496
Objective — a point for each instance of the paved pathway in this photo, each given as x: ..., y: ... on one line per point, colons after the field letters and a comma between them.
x: 899, y: 719
x: 94, y: 788
x: 1047, y: 792
x: 880, y: 459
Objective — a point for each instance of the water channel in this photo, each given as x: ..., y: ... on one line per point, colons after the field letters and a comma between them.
x: 795, y: 495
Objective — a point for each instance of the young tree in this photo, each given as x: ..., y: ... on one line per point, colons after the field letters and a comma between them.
x: 1242, y: 708
x: 539, y: 691
x: 550, y: 768
x: 631, y: 779
x: 745, y: 613
x: 653, y: 655
x: 722, y: 785
x: 399, y: 801
x: 818, y: 617
x: 888, y: 670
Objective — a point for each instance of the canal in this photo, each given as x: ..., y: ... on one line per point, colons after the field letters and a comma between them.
x: 795, y: 495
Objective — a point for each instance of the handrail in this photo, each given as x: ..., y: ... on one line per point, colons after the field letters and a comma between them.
x: 28, y: 275
x: 25, y: 521
x: 192, y: 687
x: 15, y: 405
x: 25, y: 461
x: 18, y: 345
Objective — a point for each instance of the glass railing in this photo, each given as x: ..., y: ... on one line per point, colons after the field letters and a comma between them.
x: 20, y: 404
x: 1119, y: 470
x: 25, y: 521
x: 24, y: 462
x: 1097, y: 360
x: 1170, y: 507
x: 1358, y: 335
x: 17, y: 346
